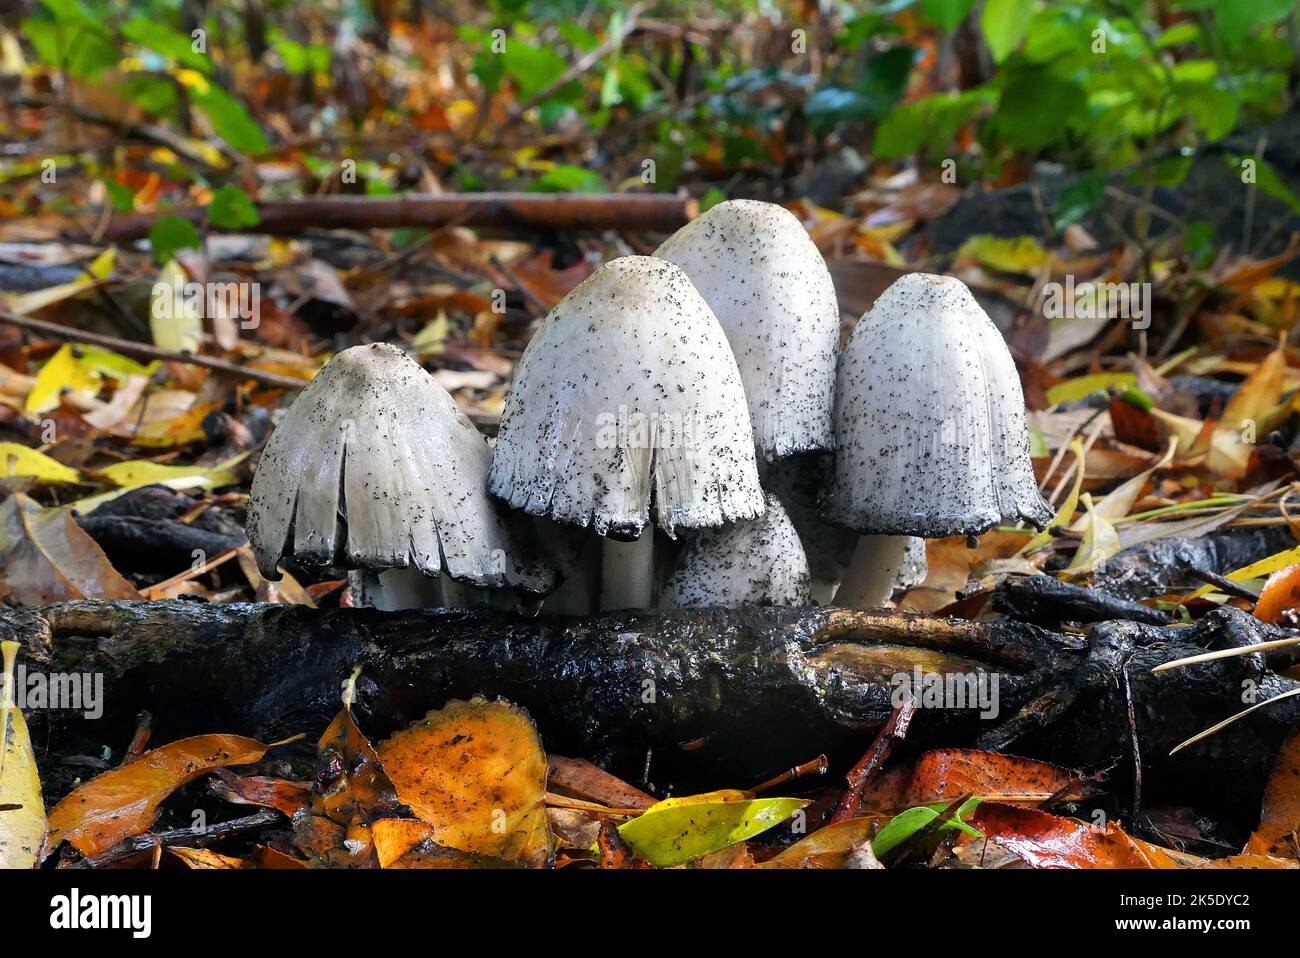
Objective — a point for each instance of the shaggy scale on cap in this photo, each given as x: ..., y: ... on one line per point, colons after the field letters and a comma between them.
x: 758, y: 561
x: 930, y: 419
x: 375, y: 467
x: 767, y: 283
x: 628, y: 388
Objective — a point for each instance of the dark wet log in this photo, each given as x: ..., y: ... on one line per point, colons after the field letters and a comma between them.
x: 654, y: 212
x: 1163, y: 566
x: 717, y: 697
x: 154, y: 545
x: 1048, y: 601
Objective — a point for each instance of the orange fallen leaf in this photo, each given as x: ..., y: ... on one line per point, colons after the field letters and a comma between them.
x: 1281, y: 592
x: 1049, y: 841
x: 947, y: 774
x: 124, y: 801
x: 476, y: 772
x: 1278, y: 834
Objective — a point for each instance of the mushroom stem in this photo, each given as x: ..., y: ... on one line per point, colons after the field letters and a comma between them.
x: 392, y: 590
x: 627, y: 573
x: 871, y: 575
x: 578, y: 592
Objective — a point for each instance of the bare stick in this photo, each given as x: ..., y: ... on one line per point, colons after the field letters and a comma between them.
x: 659, y: 212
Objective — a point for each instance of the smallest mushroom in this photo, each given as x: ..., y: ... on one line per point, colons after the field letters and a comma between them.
x: 750, y: 562
x: 375, y: 468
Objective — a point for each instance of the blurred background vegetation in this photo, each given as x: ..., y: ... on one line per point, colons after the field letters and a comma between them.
x: 270, y: 99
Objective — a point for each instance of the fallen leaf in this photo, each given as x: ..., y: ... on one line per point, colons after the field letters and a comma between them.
x: 18, y: 460
x: 1049, y: 841
x: 175, y: 319
x: 61, y: 372
x: 46, y: 557
x: 22, y: 820
x: 828, y: 847
x: 1281, y: 593
x: 123, y: 801
x: 476, y: 772
x: 203, y: 858
x: 678, y: 830
x: 1278, y: 834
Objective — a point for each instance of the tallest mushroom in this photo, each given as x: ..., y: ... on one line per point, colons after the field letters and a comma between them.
x: 767, y: 283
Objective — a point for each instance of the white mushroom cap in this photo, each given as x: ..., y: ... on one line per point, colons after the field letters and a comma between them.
x: 757, y: 561
x: 375, y: 467
x: 767, y: 283
x: 930, y: 419
x: 629, y: 388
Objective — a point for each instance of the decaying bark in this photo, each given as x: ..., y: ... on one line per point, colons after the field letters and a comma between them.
x: 716, y: 696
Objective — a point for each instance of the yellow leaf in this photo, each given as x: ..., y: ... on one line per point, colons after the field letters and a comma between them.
x: 1100, y: 540
x: 1256, y: 570
x: 1258, y: 395
x: 175, y: 320
x: 24, y: 303
x: 1066, y: 512
x: 130, y: 474
x: 22, y: 828
x: 1083, y: 386
x: 1021, y: 254
x: 679, y: 830
x: 1119, y: 502
x: 18, y: 460
x: 61, y: 371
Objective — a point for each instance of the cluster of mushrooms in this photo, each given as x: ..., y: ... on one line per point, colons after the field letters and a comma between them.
x: 683, y: 430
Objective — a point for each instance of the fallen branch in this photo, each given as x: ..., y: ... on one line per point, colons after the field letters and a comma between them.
x: 655, y: 212
x: 716, y: 696
x: 129, y: 347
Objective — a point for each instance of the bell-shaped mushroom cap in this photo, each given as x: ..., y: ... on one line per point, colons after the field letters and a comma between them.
x: 752, y: 562
x: 768, y: 285
x: 628, y: 388
x: 375, y: 467
x: 930, y: 429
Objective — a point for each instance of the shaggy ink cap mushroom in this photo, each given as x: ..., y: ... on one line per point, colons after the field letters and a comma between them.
x: 931, y: 437
x: 629, y: 393
x: 375, y: 467
x: 754, y: 561
x: 767, y: 283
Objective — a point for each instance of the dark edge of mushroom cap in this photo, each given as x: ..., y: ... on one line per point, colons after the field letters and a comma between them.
x: 628, y: 391
x: 766, y: 281
x: 930, y: 423
x: 374, y: 466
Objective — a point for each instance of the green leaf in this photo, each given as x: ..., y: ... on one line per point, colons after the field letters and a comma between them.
x: 161, y: 38
x: 930, y: 121
x: 153, y: 94
x: 231, y: 208
x: 231, y: 121
x: 1238, y: 19
x: 947, y: 14
x: 1004, y: 23
x: 906, y: 824
x: 300, y: 58
x: 1267, y: 180
x: 533, y: 68
x: 712, y: 198
x: 1078, y: 199
x: 1036, y: 107
x: 679, y: 830
x: 83, y: 48
x: 120, y: 195
x: 1214, y: 110
x: 170, y: 233
x: 568, y: 179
